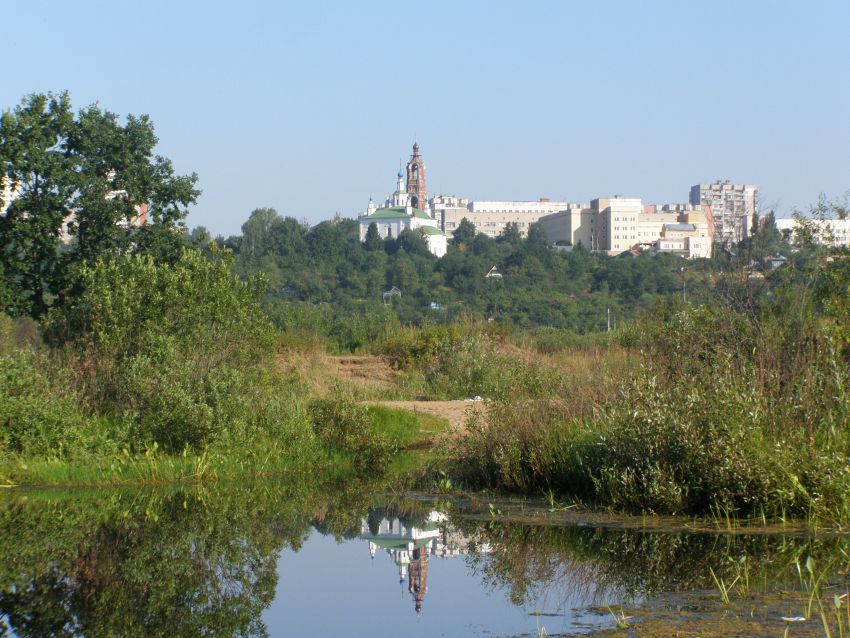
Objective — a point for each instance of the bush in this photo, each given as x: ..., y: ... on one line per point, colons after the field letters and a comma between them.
x: 730, y: 412
x: 17, y: 334
x: 346, y: 427
x: 39, y: 415
x: 176, y: 354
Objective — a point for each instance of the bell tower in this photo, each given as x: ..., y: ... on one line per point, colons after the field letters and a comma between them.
x: 416, y: 180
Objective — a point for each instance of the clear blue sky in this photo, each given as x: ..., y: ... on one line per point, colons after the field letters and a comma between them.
x: 307, y: 107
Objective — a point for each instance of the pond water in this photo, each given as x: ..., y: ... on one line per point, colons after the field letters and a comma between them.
x: 419, y: 578
x: 268, y: 560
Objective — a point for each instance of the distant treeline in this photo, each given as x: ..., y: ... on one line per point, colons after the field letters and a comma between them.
x: 326, y: 280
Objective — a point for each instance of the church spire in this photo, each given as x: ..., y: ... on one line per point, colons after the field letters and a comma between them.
x: 399, y: 187
x: 416, y: 179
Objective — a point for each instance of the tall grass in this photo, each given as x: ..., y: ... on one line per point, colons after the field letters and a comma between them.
x: 732, y: 409
x: 469, y: 358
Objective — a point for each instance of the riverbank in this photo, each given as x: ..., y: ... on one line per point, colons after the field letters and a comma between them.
x: 386, y: 433
x: 125, y: 560
x: 711, y: 411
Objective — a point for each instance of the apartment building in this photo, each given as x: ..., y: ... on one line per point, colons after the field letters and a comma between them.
x: 448, y: 208
x: 732, y: 208
x: 617, y: 224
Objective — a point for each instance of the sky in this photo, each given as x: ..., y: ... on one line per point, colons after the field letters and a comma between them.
x: 308, y: 107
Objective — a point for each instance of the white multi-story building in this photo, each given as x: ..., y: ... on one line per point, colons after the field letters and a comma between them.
x: 732, y: 208
x: 616, y: 223
x: 448, y: 208
x: 828, y: 232
x: 574, y: 225
x: 491, y: 217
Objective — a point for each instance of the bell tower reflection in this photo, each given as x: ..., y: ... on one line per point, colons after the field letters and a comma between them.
x: 417, y: 577
x: 411, y: 545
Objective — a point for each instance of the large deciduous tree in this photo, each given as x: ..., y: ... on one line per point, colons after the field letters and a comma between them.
x: 86, y: 178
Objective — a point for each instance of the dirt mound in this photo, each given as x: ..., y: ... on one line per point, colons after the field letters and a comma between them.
x: 322, y: 372
x: 362, y: 368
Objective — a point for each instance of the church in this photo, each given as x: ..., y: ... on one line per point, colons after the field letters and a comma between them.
x: 404, y: 209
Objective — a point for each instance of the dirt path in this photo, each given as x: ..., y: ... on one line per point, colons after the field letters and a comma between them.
x: 368, y: 374
x: 455, y: 412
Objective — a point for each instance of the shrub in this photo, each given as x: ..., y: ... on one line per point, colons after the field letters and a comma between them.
x: 175, y: 353
x: 40, y: 415
x: 346, y: 427
x: 730, y: 411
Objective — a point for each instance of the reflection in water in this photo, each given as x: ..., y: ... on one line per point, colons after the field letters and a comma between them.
x: 409, y: 547
x: 189, y: 562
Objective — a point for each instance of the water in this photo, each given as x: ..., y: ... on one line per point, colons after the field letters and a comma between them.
x: 268, y: 560
x: 422, y: 579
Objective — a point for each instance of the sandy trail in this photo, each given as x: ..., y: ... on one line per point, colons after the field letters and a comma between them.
x: 373, y: 373
x: 455, y: 412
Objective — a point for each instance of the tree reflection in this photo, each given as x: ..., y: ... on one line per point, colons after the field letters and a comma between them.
x: 189, y: 562
x: 588, y: 564
x: 184, y: 563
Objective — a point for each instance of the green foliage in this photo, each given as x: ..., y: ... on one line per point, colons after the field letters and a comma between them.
x: 40, y: 415
x: 536, y: 235
x: 99, y: 169
x: 733, y: 412
x: 328, y: 266
x: 373, y: 240
x: 510, y: 234
x: 185, y: 562
x: 345, y: 426
x: 174, y: 354
x: 463, y: 360
x: 464, y: 233
x: 406, y: 428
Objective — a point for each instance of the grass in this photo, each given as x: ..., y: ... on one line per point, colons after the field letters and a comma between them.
x: 717, y: 414
x: 406, y: 428
x: 154, y: 467
x: 414, y: 433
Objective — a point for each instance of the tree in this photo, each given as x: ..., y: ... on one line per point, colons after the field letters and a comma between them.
x: 34, y: 164
x: 182, y: 328
x: 510, y: 235
x: 5, y: 292
x: 536, y: 235
x: 413, y: 243
x: 464, y: 233
x: 88, y: 176
x: 200, y: 237
x: 256, y: 233
x: 373, y: 240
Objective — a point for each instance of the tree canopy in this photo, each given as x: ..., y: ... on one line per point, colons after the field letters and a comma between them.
x: 325, y: 279
x: 82, y: 180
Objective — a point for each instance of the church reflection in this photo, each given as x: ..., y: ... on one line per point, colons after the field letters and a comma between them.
x: 411, y: 545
